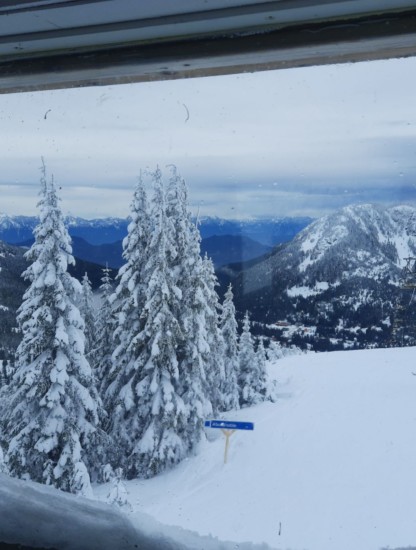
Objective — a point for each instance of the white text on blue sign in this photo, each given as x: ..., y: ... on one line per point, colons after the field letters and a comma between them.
x: 228, y: 425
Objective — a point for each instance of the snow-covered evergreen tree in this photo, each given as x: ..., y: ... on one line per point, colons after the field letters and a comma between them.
x: 250, y: 392
x: 4, y: 375
x: 274, y: 351
x: 180, y: 223
x: 104, y: 329
x: 52, y: 402
x: 161, y: 409
x: 3, y: 466
x: 118, y: 495
x: 262, y: 385
x: 229, y: 329
x: 148, y: 417
x: 194, y: 352
x: 87, y: 310
x: 215, y: 370
x: 100, y: 446
x: 168, y: 367
x: 118, y: 382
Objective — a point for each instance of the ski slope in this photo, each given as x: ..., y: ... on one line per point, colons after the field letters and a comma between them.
x: 331, y: 465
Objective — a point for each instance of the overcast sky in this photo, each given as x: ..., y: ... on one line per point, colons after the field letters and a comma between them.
x: 294, y: 142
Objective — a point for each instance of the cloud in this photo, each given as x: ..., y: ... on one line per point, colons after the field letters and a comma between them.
x: 304, y: 140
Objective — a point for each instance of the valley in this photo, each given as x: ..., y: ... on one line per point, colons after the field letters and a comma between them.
x: 334, y: 285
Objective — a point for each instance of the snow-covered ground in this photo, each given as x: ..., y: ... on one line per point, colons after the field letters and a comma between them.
x: 330, y: 466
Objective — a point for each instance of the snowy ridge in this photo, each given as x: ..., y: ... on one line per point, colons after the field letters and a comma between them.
x: 368, y: 226
x: 357, y: 241
x: 7, y: 221
x: 345, y: 266
x: 72, y: 221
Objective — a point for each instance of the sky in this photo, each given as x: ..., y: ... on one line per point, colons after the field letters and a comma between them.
x: 295, y: 142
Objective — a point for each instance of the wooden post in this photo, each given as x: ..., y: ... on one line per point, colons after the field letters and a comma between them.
x: 228, y: 434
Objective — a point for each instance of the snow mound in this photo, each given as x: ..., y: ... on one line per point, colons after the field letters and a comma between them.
x: 38, y: 516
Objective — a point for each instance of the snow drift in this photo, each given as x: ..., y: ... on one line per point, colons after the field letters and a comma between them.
x: 38, y: 516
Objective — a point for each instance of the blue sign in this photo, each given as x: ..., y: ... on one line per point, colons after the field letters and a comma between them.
x: 227, y: 425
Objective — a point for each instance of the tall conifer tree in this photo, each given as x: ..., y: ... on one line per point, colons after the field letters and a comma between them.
x: 215, y: 369
x: 247, y: 380
x: 161, y: 410
x: 53, y: 409
x: 262, y: 386
x: 229, y: 329
x: 119, y: 384
x: 149, y: 416
x: 104, y: 327
x: 87, y: 310
x: 194, y: 352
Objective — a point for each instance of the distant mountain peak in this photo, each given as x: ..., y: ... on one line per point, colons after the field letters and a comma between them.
x: 372, y: 231
x: 343, y: 270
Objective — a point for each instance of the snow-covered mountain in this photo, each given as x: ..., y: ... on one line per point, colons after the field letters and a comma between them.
x: 98, y: 231
x: 15, y: 229
x: 341, y: 274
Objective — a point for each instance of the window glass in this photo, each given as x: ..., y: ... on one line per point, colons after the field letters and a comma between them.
x: 302, y: 185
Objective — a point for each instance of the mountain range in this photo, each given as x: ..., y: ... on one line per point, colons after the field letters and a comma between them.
x: 100, y: 241
x: 17, y: 229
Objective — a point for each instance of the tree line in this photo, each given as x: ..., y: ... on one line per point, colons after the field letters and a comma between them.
x: 131, y: 385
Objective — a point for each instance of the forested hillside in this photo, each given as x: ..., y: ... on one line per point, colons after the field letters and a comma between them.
x: 336, y: 284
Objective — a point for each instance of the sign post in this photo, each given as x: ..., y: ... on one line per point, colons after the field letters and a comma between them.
x: 228, y: 428
x: 228, y: 434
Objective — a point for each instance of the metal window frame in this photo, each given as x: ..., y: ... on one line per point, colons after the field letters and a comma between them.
x: 236, y: 39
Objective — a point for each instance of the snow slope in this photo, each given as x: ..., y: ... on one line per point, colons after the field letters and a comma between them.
x: 331, y: 465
